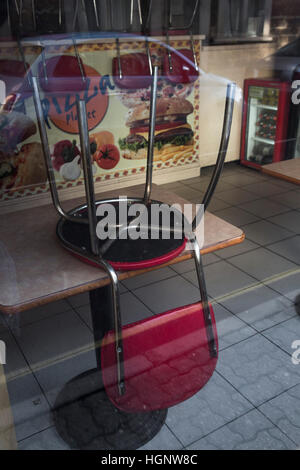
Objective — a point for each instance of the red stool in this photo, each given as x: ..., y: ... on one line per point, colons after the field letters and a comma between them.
x: 163, y: 360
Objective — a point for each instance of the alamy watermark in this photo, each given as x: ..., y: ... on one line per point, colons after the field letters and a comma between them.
x: 135, y: 220
x: 296, y: 354
x: 2, y: 353
x: 296, y: 93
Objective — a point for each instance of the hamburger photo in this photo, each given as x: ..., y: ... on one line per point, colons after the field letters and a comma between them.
x: 20, y: 165
x: 174, y: 137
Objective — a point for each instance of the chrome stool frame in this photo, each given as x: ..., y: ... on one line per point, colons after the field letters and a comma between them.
x: 96, y: 255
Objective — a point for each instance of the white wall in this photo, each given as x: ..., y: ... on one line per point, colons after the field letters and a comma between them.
x: 221, y: 64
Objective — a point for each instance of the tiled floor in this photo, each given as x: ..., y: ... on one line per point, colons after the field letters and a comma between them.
x: 253, y: 399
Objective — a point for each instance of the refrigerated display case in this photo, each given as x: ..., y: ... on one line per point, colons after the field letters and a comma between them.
x: 265, y: 121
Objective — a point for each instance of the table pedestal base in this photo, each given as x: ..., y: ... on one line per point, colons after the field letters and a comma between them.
x: 86, y: 419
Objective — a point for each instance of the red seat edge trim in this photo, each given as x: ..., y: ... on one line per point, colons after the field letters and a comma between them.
x: 132, y: 266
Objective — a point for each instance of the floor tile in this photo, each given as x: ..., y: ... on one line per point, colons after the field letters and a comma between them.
x: 258, y: 369
x: 246, y: 245
x: 260, y: 307
x: 285, y: 334
x: 215, y: 405
x: 189, y: 265
x: 30, y: 408
x: 216, y: 204
x: 264, y: 207
x: 236, y: 216
x: 284, y: 411
x: 52, y: 377
x: 84, y: 299
x: 132, y: 310
x: 236, y: 196
x: 46, y: 440
x: 123, y: 289
x: 197, y: 199
x: 230, y: 329
x: 259, y: 176
x: 210, y: 258
x: 15, y: 362
x: 189, y: 193
x: 288, y: 285
x: 172, y: 186
x: 189, y: 181
x: 222, y: 279
x: 168, y: 294
x: 79, y: 299
x: 290, y: 199
x: 283, y: 183
x: 253, y: 431
x: 54, y: 338
x: 240, y: 179
x: 164, y: 440
x: 184, y: 267
x: 289, y: 220
x: 288, y: 248
x: 233, y: 168
x: 262, y: 264
x: 44, y: 311
x: 85, y: 313
x: 264, y: 232
x: 223, y: 185
x: 200, y: 186
x: 148, y: 278
x: 198, y: 183
x: 264, y: 188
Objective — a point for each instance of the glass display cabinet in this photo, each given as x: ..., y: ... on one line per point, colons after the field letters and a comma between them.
x: 264, y: 125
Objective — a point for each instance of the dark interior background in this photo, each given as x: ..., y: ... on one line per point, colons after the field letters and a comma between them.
x: 114, y: 15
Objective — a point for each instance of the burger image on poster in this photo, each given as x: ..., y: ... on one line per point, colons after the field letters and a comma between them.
x: 165, y: 89
x: 134, y: 87
x: 173, y: 135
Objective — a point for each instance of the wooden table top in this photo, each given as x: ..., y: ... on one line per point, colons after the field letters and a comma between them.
x: 288, y: 170
x: 35, y: 269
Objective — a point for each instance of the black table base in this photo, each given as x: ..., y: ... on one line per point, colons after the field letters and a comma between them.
x: 84, y: 417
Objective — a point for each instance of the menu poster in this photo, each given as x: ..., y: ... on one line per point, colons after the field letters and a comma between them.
x: 118, y: 119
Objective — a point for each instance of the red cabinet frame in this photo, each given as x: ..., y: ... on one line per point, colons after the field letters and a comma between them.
x: 282, y: 118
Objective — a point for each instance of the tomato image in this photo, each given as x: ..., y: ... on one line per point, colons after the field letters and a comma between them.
x: 99, y: 139
x: 108, y: 156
